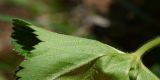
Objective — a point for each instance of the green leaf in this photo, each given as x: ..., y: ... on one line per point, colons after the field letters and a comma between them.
x: 116, y: 65
x: 53, y: 56
x: 145, y: 74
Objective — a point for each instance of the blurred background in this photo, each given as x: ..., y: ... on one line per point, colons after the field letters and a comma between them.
x: 124, y: 24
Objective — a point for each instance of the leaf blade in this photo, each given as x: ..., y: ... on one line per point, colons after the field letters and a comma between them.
x: 56, y: 54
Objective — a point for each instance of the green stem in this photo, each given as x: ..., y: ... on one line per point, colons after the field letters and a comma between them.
x: 155, y: 42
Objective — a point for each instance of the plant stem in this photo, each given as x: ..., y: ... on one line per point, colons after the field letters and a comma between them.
x: 146, y: 47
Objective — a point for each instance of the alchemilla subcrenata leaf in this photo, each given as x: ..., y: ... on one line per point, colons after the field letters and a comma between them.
x: 53, y: 56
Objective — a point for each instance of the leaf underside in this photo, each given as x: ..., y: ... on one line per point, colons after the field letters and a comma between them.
x: 53, y: 56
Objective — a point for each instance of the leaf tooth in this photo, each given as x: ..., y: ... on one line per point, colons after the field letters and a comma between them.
x: 24, y: 35
x: 18, y: 69
x: 17, y: 78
